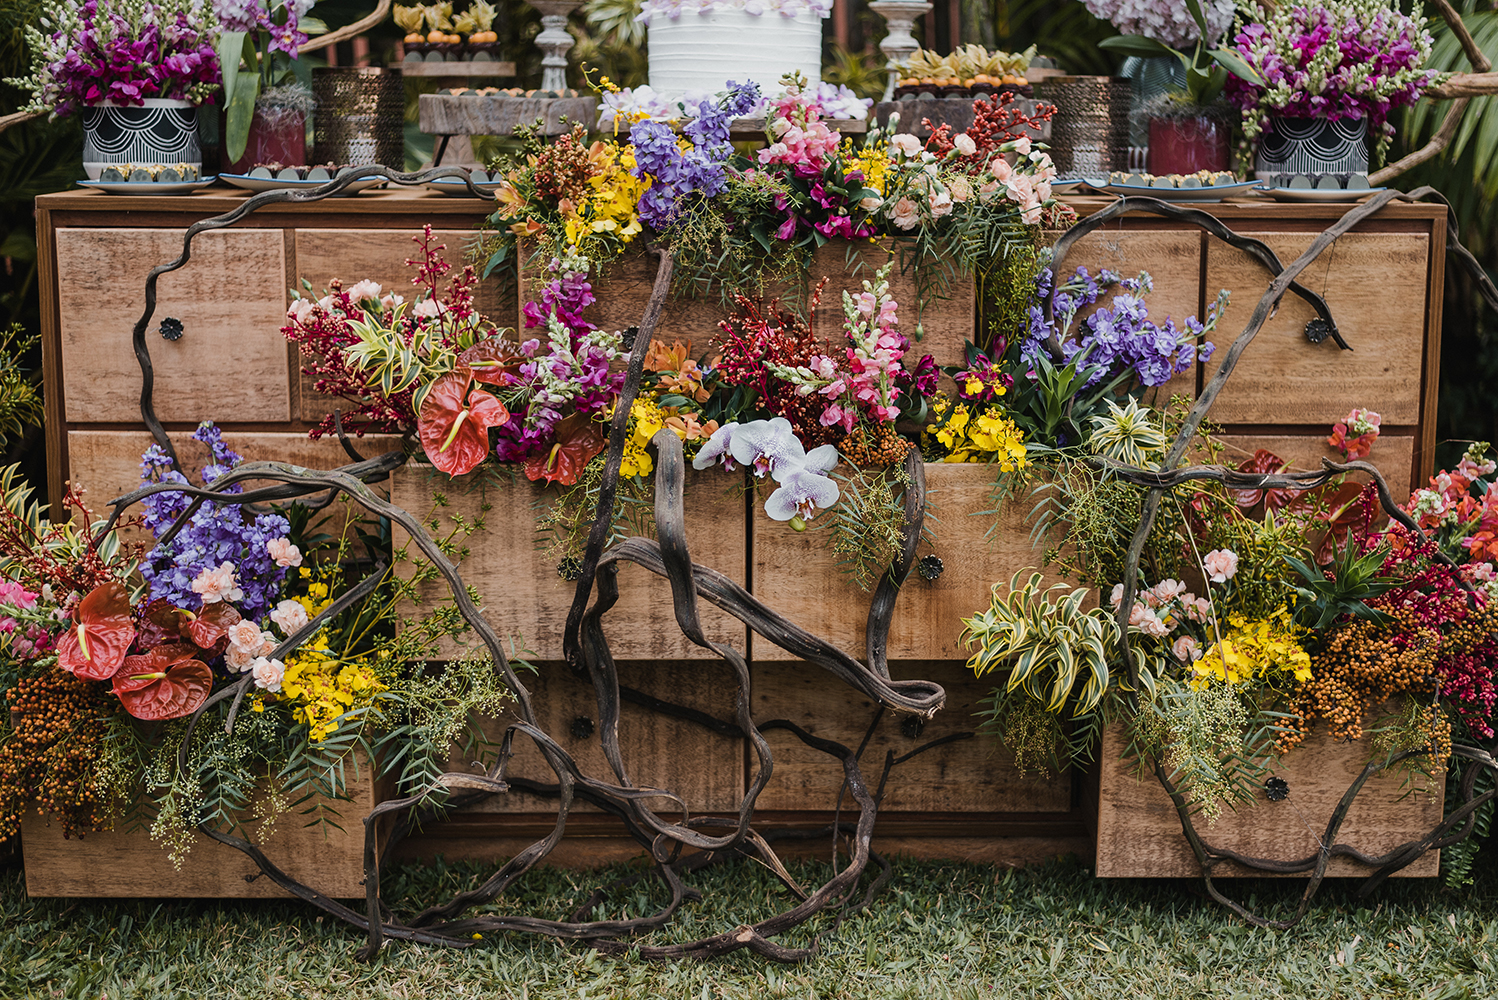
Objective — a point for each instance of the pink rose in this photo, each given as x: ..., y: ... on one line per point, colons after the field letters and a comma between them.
x: 1186, y: 649
x: 905, y: 214
x: 283, y: 552
x: 300, y: 309
x: 1022, y: 145
x: 906, y: 143
x: 289, y: 616
x: 964, y: 144
x: 238, y: 659
x: 268, y: 674
x: 961, y: 189
x: 363, y: 291
x: 245, y: 635
x: 1221, y: 565
x: 217, y: 585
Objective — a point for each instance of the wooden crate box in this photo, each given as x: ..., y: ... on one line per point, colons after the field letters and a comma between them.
x: 522, y: 591
x: 1139, y: 832
x: 120, y: 864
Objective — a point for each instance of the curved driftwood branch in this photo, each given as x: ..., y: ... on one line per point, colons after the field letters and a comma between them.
x: 381, y: 11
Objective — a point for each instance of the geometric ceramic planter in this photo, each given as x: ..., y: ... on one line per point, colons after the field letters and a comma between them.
x: 158, y: 131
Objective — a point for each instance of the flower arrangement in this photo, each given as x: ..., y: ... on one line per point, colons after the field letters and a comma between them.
x: 122, y: 51
x: 953, y: 204
x: 1174, y: 24
x: 260, y: 39
x: 107, y: 653
x: 1258, y: 614
x: 1347, y: 59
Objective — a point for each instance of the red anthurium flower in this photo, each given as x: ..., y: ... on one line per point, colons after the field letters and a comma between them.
x: 454, y: 422
x: 166, y: 683
x: 578, y: 440
x: 492, y: 360
x: 1265, y: 462
x: 160, y: 621
x: 210, y: 627
x: 102, y: 631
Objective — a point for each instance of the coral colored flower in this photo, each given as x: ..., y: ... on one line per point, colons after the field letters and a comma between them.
x: 1221, y: 565
x: 289, y: 616
x: 217, y: 584
x: 283, y: 552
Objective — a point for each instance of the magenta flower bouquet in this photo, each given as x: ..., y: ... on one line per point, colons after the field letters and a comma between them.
x: 122, y: 51
x: 1342, y: 59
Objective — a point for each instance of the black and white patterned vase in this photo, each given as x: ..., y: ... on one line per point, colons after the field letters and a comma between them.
x: 159, y: 131
x: 1312, y: 146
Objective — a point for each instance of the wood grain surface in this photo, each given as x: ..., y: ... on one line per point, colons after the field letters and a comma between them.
x: 1139, y: 832
x: 795, y: 572
x: 121, y: 864
x: 107, y: 463
x: 352, y: 255
x: 703, y: 768
x: 974, y: 775
x: 1393, y: 455
x: 1375, y: 284
x: 231, y: 360
x: 523, y: 595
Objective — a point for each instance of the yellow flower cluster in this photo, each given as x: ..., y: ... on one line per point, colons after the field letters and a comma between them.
x: 987, y: 436
x: 612, y: 206
x: 646, y: 417
x: 1252, y: 649
x: 319, y: 685
x: 324, y: 687
x: 872, y: 160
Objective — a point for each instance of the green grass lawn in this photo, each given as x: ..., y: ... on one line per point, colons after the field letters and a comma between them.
x: 939, y: 930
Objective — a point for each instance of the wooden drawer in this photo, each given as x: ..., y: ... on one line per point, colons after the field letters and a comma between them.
x: 1139, y: 831
x: 107, y: 463
x: 1393, y: 455
x: 352, y: 255
x: 231, y: 362
x: 969, y: 776
x: 1375, y: 284
x: 523, y: 594
x: 704, y: 768
x: 121, y: 864
x: 795, y: 573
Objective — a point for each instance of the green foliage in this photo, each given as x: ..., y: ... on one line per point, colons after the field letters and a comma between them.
x: 1459, y: 860
x: 20, y: 396
x: 1215, y: 748
x: 1352, y: 580
x: 861, y: 72
x: 1059, y: 652
x: 1066, y: 32
x: 563, y: 523
x: 868, y: 523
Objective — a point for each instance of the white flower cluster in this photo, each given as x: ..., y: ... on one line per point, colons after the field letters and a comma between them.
x: 628, y: 105
x: 1167, y: 21
x: 785, y: 8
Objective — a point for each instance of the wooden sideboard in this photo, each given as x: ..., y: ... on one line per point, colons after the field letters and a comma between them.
x: 1383, y: 282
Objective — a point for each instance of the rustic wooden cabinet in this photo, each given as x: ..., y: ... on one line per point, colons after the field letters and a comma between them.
x: 965, y: 799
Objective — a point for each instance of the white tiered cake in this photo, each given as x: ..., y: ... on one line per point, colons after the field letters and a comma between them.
x: 697, y: 52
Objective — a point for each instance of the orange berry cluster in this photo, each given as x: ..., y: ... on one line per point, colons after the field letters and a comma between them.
x: 1362, y: 665
x: 52, y: 751
x: 882, y: 446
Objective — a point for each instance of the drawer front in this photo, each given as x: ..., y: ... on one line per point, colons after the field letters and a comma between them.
x: 231, y: 361
x: 352, y: 255
x: 795, y: 573
x: 1375, y: 284
x: 107, y: 463
x: 1393, y: 455
x: 523, y: 594
x: 967, y: 776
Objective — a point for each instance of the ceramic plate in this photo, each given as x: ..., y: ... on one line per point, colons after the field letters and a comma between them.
x: 1063, y: 187
x: 1214, y: 193
x: 258, y: 184
x: 1317, y: 194
x: 149, y: 187
x: 453, y: 186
